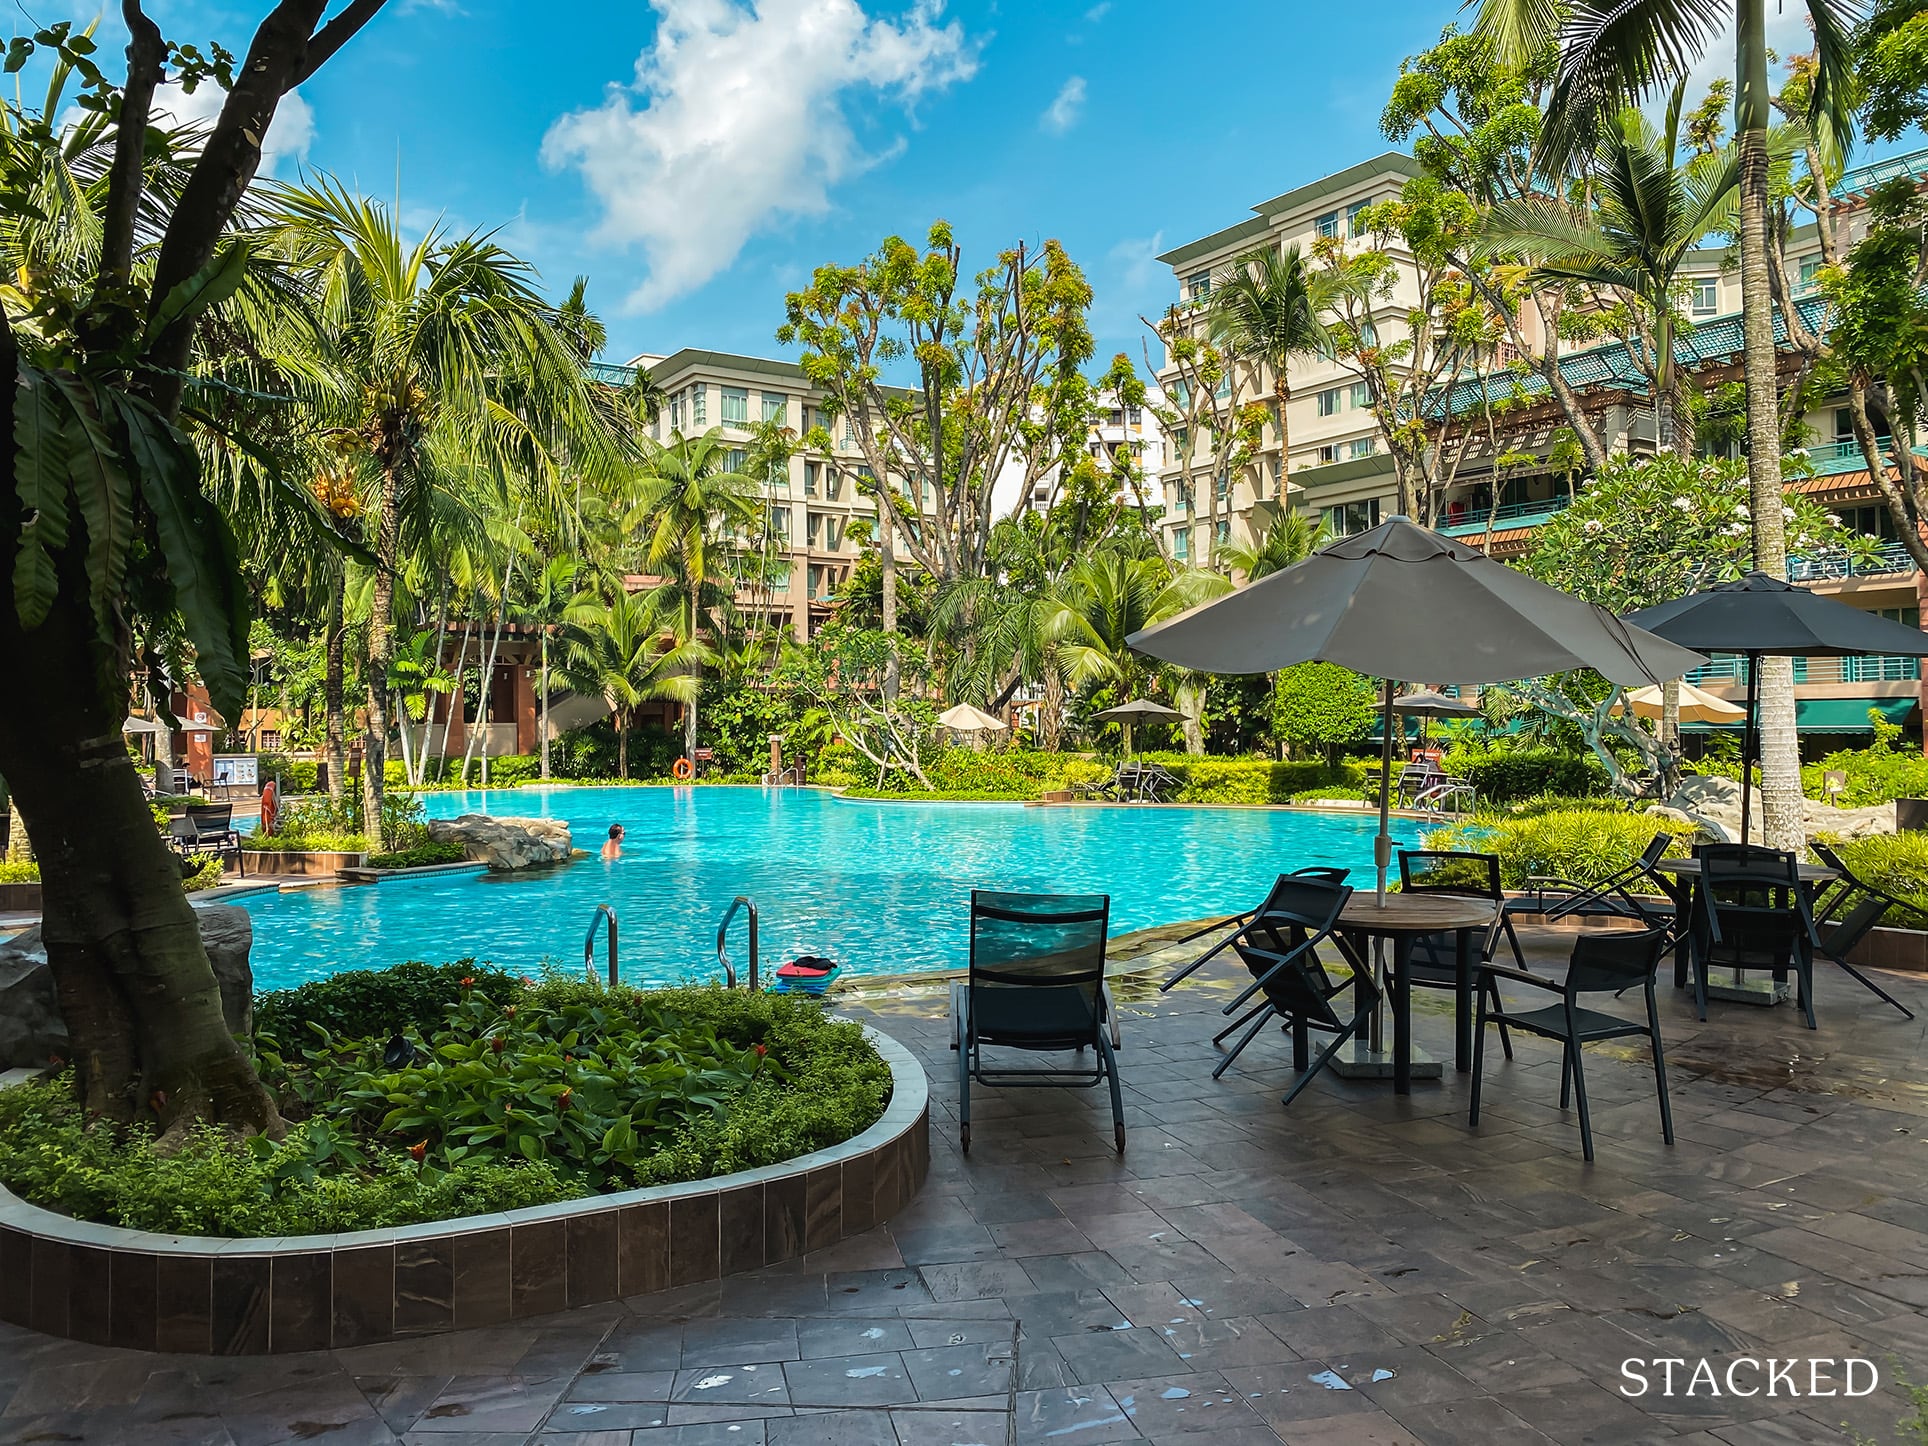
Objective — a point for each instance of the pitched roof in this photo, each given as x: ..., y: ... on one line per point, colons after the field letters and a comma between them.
x: 1299, y: 198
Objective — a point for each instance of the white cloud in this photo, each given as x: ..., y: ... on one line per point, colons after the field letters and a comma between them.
x: 1062, y: 114
x: 1787, y: 35
x: 289, y: 136
x: 1099, y: 11
x: 737, y: 119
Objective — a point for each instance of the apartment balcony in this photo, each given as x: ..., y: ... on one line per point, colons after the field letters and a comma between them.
x: 1889, y: 559
x: 1858, y: 668
x: 1513, y: 514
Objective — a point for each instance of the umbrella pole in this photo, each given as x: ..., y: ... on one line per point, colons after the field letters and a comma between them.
x: 1382, y: 845
x: 1750, y: 737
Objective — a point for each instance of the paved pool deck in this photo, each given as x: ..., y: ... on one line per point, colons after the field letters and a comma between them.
x: 1360, y: 1268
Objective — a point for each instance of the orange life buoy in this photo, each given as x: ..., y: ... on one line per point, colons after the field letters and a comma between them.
x: 683, y: 768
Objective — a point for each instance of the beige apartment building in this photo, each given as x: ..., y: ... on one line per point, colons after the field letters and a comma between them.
x: 810, y: 513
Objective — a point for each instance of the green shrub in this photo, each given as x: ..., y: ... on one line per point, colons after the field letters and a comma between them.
x: 1895, y: 863
x: 1332, y: 793
x: 317, y: 842
x: 205, y: 876
x: 361, y: 1002
x: 24, y: 872
x: 1502, y: 775
x: 1874, y: 775
x: 1583, y: 845
x: 1253, y: 780
x: 420, y: 856
x: 292, y: 775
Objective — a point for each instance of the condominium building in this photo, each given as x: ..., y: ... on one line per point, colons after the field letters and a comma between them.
x: 1124, y: 440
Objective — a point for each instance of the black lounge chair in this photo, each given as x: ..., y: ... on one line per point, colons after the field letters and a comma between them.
x: 1840, y: 932
x: 1602, y: 963
x: 1751, y: 911
x: 1238, y: 922
x: 1277, y: 946
x: 1037, y: 983
x: 1555, y: 898
x: 1471, y: 876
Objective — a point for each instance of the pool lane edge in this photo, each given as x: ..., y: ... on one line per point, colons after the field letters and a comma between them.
x: 209, y: 1295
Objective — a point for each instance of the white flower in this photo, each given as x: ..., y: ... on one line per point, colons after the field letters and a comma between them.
x: 1741, y: 508
x: 1787, y: 512
x: 1594, y: 524
x: 1737, y: 529
x: 1684, y: 504
x: 1834, y: 518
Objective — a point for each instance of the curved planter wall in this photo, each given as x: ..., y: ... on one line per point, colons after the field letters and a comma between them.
x: 109, y: 1286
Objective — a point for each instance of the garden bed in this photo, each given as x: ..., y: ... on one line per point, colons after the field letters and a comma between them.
x: 648, y: 1141
x: 298, y: 863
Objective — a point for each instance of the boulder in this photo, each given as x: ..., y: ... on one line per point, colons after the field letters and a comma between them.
x: 1714, y: 806
x: 31, y: 1029
x: 506, y: 844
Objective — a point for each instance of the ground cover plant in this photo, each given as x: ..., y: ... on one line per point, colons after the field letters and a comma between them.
x: 432, y: 1091
x: 1582, y: 845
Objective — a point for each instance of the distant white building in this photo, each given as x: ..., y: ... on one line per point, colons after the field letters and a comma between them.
x: 1119, y: 428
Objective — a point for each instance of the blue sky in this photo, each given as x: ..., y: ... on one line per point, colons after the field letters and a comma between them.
x: 764, y: 140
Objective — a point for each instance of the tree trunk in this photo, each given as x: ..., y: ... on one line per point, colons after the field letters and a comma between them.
x: 334, y: 740
x: 381, y: 645
x: 19, y: 845
x: 1781, y: 811
x: 1051, y: 710
x: 1282, y: 390
x: 134, y: 984
x: 622, y: 746
x: 1670, y: 712
x: 887, y: 565
x: 542, y: 643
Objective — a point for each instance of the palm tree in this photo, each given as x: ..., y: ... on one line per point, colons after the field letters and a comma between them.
x: 1615, y: 53
x: 1290, y: 537
x: 544, y: 606
x: 628, y: 652
x: 690, y: 505
x: 1269, y: 309
x: 439, y: 356
x: 1648, y: 213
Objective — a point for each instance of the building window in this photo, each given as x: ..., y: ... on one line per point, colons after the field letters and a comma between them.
x: 1843, y: 424
x: 776, y: 407
x: 1361, y: 395
x: 1352, y: 517
x: 1178, y: 500
x: 1352, y: 218
x: 1362, y: 446
x: 1329, y: 224
x: 1224, y: 531
x: 735, y: 459
x: 810, y: 470
x: 1328, y: 452
x: 1329, y: 402
x: 1182, y: 543
x: 1134, y: 416
x: 1706, y: 295
x: 1224, y: 486
x: 780, y: 525
x: 1198, y: 286
x: 1810, y: 268
x: 699, y: 405
x: 736, y: 405
x: 1224, y: 387
x: 1278, y: 466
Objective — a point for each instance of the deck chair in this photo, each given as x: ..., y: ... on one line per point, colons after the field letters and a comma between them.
x: 1278, y: 948
x: 1036, y: 983
x: 1751, y: 911
x: 213, y: 826
x: 1238, y: 922
x: 1603, y: 963
x: 1557, y: 898
x: 1470, y: 875
x: 1841, y: 928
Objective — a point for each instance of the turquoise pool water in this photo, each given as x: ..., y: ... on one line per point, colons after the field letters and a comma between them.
x: 883, y: 888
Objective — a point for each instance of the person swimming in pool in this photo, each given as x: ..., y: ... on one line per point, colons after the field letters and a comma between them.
x: 613, y: 847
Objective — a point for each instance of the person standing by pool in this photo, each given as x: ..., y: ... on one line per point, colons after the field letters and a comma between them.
x: 613, y: 847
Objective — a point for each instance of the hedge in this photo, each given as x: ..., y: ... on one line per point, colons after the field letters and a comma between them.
x: 1585, y: 846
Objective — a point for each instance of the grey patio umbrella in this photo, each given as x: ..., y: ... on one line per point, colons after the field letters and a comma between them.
x: 1139, y: 710
x: 142, y: 725
x: 1761, y: 616
x: 1399, y: 603
x: 1424, y: 703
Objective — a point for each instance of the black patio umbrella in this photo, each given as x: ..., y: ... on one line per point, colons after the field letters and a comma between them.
x: 1400, y: 603
x: 1424, y: 703
x: 1761, y: 616
x: 1139, y: 710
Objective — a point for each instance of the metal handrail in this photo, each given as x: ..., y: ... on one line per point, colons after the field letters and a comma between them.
x: 603, y: 911
x: 722, y: 942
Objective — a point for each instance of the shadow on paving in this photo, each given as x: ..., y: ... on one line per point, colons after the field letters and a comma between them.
x: 1361, y: 1268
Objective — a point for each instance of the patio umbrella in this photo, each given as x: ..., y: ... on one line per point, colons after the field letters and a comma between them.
x: 1761, y: 616
x: 966, y: 719
x: 1424, y: 703
x: 142, y: 725
x: 1137, y: 710
x: 1696, y: 706
x: 1399, y: 602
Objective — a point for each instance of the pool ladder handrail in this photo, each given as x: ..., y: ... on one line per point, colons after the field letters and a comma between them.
x: 603, y: 911
x: 722, y: 942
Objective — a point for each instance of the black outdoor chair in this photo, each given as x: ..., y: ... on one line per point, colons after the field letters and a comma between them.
x: 1555, y: 898
x: 1751, y: 911
x: 1602, y: 963
x: 1235, y: 925
x: 1472, y: 876
x: 1277, y: 946
x: 1840, y: 928
x: 1037, y: 982
x: 213, y: 826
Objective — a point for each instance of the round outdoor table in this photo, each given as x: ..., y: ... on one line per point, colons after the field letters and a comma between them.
x: 1405, y: 919
x: 1687, y: 871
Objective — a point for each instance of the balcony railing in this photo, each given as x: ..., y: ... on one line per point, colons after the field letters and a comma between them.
x: 1859, y: 668
x: 1513, y: 514
x: 1890, y: 557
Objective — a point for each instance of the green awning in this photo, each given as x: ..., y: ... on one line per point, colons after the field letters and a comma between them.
x: 1827, y: 715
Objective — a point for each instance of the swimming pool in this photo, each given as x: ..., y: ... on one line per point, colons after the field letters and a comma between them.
x: 884, y: 888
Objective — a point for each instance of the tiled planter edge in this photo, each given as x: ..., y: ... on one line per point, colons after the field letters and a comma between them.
x: 108, y: 1286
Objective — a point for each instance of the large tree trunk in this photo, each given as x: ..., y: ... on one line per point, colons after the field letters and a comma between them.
x: 542, y: 642
x: 135, y: 987
x: 1781, y: 811
x: 381, y: 646
x: 334, y: 741
x: 887, y: 564
x: 19, y: 846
